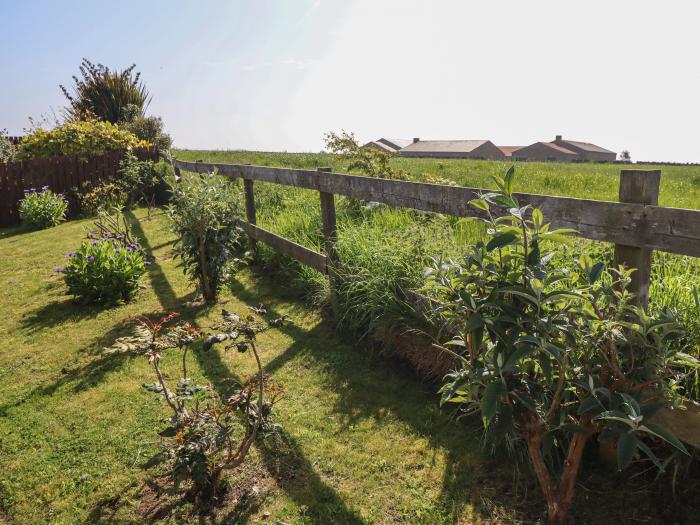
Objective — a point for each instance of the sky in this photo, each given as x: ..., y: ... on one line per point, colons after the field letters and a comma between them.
x: 276, y: 75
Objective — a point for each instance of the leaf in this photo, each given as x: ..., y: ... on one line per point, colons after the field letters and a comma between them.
x: 644, y: 448
x: 537, y: 218
x: 501, y: 240
x: 626, y: 447
x: 664, y: 434
x: 489, y: 401
x: 508, y: 180
x: 475, y: 321
x: 596, y: 271
x: 480, y: 204
x: 590, y: 404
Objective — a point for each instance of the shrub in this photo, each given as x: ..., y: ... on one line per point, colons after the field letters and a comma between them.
x: 83, y: 139
x: 104, y: 93
x: 203, y: 215
x: 370, y: 161
x: 146, y: 128
x: 552, y: 357
x: 207, y: 433
x: 42, y: 209
x: 106, y: 269
x: 7, y: 149
x: 144, y: 181
x: 101, y: 196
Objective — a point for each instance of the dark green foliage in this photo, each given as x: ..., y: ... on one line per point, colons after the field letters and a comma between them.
x: 104, y: 93
x: 203, y: 214
x: 42, y: 209
x: 551, y: 356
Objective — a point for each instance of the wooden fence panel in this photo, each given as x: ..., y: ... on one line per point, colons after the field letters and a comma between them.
x: 59, y: 173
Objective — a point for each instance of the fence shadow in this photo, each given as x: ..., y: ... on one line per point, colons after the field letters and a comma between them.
x: 374, y: 386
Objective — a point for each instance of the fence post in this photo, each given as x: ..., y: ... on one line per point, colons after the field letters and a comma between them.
x: 250, y: 208
x: 639, y: 187
x: 330, y: 237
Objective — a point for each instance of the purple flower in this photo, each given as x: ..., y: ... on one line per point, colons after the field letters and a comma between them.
x: 58, y: 269
x: 44, y: 188
x: 117, y: 250
x: 70, y: 254
x: 90, y: 257
x: 93, y: 243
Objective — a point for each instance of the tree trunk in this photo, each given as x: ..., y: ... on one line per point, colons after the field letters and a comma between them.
x: 558, y: 497
x: 206, y: 286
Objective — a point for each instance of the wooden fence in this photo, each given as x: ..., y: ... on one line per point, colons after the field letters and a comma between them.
x: 636, y: 224
x: 58, y: 173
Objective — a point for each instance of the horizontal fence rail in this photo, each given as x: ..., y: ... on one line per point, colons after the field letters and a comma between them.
x: 674, y: 230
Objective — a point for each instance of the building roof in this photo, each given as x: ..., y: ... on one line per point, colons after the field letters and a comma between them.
x: 587, y: 146
x: 445, y: 146
x: 508, y: 150
x: 558, y: 148
x: 381, y: 146
x: 395, y: 143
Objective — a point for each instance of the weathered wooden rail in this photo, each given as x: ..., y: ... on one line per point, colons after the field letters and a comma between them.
x: 636, y: 225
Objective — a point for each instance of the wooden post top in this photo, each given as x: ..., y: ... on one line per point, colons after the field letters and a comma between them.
x: 640, y: 186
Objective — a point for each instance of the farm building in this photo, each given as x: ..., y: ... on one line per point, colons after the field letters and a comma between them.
x: 561, y: 150
x: 586, y: 150
x: 508, y: 150
x: 388, y: 145
x: 453, y: 149
x: 544, y: 152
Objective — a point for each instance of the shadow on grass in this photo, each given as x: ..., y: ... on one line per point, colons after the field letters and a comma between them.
x: 374, y: 386
x: 284, y: 460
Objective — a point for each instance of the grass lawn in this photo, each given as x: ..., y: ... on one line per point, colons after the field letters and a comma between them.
x: 363, y: 441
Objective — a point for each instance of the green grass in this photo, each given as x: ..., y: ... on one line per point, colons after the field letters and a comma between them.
x: 363, y: 441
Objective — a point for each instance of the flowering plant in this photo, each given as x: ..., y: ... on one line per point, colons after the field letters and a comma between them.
x: 42, y: 209
x: 104, y: 269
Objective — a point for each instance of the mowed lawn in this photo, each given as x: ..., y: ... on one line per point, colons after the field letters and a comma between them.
x: 363, y: 440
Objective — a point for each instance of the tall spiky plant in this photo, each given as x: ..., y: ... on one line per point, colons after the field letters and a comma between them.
x: 104, y: 94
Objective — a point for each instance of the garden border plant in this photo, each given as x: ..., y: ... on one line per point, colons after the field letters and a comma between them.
x: 204, y: 214
x: 552, y: 357
x: 43, y: 209
x: 203, y: 434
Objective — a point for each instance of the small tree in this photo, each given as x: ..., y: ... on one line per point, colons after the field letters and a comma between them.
x: 625, y: 155
x: 370, y: 161
x: 203, y: 214
x: 549, y: 356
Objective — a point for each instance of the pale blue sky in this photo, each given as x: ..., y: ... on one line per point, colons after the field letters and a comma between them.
x: 275, y: 75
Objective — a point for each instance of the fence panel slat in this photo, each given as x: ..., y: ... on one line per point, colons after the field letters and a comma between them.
x: 286, y: 247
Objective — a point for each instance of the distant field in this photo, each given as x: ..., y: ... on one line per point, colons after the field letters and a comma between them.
x: 680, y: 185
